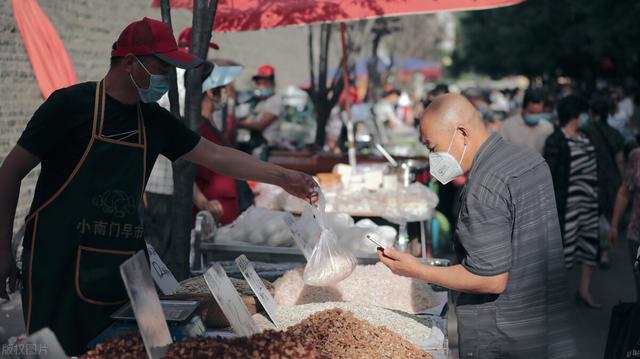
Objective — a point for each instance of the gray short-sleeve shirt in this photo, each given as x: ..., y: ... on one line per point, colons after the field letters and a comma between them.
x: 508, y: 222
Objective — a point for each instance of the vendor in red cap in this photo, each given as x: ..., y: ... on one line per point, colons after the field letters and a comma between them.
x: 263, y: 119
x: 96, y: 143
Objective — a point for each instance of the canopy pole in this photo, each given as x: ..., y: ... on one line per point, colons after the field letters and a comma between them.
x: 347, y: 99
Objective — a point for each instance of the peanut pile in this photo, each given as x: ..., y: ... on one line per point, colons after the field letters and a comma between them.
x: 337, y: 333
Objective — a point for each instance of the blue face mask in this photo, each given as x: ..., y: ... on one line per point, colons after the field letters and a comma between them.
x: 546, y: 116
x: 158, y: 86
x: 264, y: 92
x: 584, y: 120
x: 532, y: 119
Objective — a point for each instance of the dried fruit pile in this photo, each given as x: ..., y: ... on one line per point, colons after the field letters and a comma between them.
x: 128, y: 346
x: 269, y: 344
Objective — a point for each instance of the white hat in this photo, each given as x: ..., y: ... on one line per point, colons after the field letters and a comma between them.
x: 221, y: 76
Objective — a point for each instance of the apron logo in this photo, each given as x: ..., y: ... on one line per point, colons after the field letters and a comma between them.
x: 110, y: 229
x: 116, y: 202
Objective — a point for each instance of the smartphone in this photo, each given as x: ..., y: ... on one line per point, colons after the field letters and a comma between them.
x: 372, y: 238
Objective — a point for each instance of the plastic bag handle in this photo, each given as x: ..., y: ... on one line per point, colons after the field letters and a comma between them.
x: 322, y: 204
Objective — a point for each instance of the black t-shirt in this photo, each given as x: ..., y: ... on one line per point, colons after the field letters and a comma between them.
x: 60, y: 130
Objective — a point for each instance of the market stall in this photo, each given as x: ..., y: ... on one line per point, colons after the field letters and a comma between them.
x: 327, y: 299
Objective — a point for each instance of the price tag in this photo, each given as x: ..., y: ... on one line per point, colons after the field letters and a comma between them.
x: 302, y: 244
x: 265, y: 298
x: 41, y: 344
x: 146, y: 305
x: 229, y: 301
x: 161, y: 273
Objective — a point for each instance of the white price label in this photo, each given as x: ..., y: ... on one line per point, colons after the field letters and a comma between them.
x: 302, y: 244
x: 41, y: 344
x: 146, y: 305
x: 265, y: 298
x: 229, y: 301
x: 161, y: 273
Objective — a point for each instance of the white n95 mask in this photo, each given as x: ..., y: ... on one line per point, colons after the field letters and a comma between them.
x: 443, y: 166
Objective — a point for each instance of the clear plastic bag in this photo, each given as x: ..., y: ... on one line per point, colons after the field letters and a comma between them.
x: 329, y: 263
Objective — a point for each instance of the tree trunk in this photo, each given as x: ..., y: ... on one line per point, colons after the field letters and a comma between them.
x: 184, y: 172
x: 174, y: 103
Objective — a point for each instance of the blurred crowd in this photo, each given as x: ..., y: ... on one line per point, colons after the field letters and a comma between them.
x: 590, y: 142
x: 588, y: 138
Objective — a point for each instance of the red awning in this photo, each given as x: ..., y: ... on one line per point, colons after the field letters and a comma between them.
x: 247, y: 15
x: 51, y: 64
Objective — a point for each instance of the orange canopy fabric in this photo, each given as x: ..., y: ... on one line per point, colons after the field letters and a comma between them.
x: 51, y: 64
x: 248, y: 15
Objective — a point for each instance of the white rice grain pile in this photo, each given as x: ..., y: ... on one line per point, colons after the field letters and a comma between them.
x: 371, y: 284
x: 412, y: 328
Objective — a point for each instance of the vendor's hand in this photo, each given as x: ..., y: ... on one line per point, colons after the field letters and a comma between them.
x: 7, y: 274
x: 403, y: 264
x: 300, y: 185
x: 215, y: 208
x: 613, y: 235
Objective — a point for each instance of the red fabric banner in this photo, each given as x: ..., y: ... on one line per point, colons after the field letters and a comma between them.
x: 248, y: 15
x: 51, y: 64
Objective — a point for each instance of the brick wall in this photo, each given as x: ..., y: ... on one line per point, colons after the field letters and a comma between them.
x: 87, y: 29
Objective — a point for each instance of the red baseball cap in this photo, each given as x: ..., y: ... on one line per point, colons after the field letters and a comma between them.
x: 153, y: 37
x: 184, y: 39
x: 264, y: 71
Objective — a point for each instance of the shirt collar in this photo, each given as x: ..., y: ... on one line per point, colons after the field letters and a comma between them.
x: 485, y: 151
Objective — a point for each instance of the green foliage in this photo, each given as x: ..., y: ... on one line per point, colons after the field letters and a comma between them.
x: 551, y: 38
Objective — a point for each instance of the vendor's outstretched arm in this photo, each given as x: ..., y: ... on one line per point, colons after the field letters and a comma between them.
x: 456, y: 277
x: 237, y: 164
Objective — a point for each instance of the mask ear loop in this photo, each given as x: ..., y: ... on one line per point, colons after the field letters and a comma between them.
x: 452, y: 138
x: 141, y: 64
x: 464, y: 151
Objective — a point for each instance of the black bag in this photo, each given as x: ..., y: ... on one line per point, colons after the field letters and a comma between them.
x: 623, y: 341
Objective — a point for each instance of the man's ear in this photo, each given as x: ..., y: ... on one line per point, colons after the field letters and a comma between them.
x: 128, y: 61
x: 464, y: 132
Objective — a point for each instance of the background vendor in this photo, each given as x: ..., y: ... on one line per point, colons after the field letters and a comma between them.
x: 224, y: 197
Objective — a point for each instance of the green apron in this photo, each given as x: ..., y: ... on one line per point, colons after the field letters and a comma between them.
x: 76, y: 241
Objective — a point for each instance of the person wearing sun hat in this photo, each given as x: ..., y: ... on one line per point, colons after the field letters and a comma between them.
x: 96, y: 143
x: 224, y: 197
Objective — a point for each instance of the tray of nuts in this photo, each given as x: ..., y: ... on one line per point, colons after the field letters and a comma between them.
x: 196, y: 289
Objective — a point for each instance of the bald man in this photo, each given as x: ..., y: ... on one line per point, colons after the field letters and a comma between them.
x: 512, y: 300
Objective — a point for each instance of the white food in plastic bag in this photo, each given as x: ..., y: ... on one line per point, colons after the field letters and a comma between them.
x: 329, y: 263
x: 268, y: 196
x: 366, y: 223
x: 256, y: 226
x: 337, y: 220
